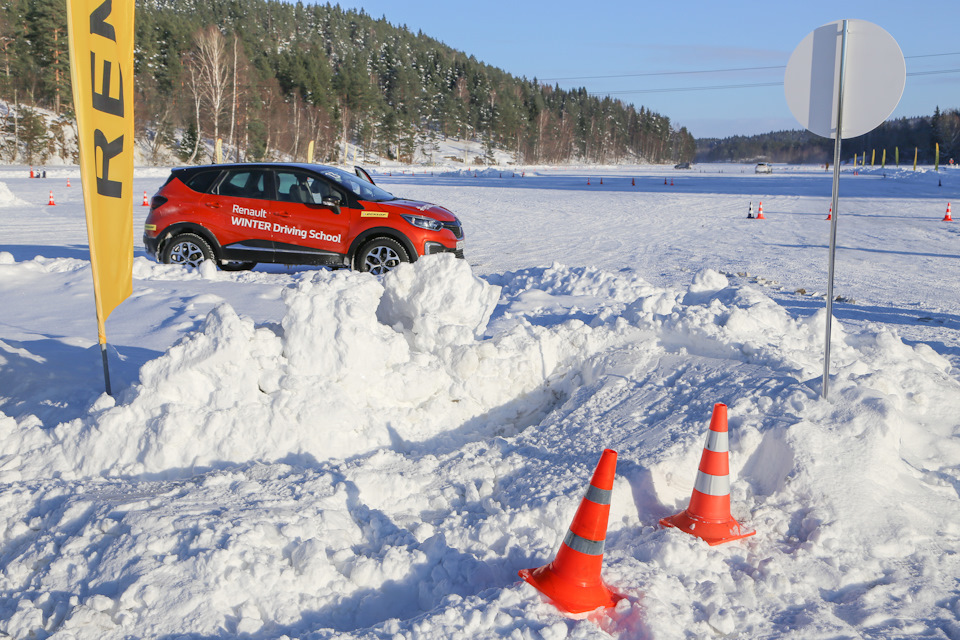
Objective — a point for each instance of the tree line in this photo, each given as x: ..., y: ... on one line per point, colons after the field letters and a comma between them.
x: 904, y: 135
x: 268, y: 77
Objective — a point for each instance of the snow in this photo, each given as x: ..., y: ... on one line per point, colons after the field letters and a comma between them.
x: 304, y: 453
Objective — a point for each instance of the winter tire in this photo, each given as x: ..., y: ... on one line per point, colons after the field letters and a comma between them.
x: 379, y: 256
x: 187, y: 249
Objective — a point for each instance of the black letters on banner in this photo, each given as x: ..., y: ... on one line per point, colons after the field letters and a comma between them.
x: 101, y: 101
x: 109, y: 150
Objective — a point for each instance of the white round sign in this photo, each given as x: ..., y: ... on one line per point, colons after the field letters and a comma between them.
x: 874, y: 76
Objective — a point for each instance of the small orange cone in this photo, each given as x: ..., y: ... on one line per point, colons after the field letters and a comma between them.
x: 664, y: 181
x: 830, y: 215
x: 633, y: 182
x: 588, y: 182
x: 671, y: 182
x: 947, y: 218
x: 572, y: 581
x: 601, y: 180
x: 51, y: 202
x: 708, y: 514
x: 68, y: 182
x: 31, y: 172
x: 760, y: 211
x: 146, y: 203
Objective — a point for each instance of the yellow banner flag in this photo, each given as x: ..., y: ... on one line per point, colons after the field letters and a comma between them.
x: 101, y: 68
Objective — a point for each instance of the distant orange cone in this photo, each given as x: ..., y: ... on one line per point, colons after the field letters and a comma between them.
x: 588, y: 182
x: 633, y: 182
x: 671, y: 182
x: 708, y: 514
x: 664, y: 181
x: 68, y: 182
x: 146, y: 203
x: 601, y: 180
x: 830, y: 215
x: 51, y: 202
x: 572, y: 581
x: 31, y: 172
x: 760, y: 211
x: 947, y: 218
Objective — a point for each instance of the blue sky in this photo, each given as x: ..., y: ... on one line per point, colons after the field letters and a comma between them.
x: 573, y: 43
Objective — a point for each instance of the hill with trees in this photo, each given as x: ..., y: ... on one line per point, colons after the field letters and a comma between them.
x: 901, y: 137
x: 267, y: 77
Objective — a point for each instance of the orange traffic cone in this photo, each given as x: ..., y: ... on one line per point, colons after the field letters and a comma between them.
x: 146, y: 203
x: 601, y: 181
x: 588, y: 182
x: 760, y: 211
x: 68, y: 182
x: 51, y: 202
x: 31, y: 172
x: 664, y: 181
x: 708, y: 514
x: 947, y: 218
x: 633, y: 182
x: 572, y: 581
x: 830, y: 215
x: 671, y: 182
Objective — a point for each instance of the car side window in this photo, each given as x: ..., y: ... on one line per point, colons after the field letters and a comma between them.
x: 245, y: 184
x: 294, y: 186
x: 202, y: 181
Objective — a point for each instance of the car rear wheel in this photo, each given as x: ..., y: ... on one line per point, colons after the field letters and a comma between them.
x: 187, y: 249
x: 380, y: 256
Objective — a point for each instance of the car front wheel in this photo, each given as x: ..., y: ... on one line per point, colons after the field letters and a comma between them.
x: 187, y: 249
x: 380, y: 256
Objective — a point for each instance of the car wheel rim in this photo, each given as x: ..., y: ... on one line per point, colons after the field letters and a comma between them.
x: 380, y: 260
x: 187, y: 253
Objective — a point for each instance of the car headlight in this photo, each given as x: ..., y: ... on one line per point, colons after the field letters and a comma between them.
x: 423, y: 222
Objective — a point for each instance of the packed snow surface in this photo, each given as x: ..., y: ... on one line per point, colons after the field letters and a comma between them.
x: 306, y: 453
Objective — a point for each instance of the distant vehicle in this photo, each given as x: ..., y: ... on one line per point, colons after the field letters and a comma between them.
x: 764, y: 167
x: 682, y: 165
x: 242, y: 214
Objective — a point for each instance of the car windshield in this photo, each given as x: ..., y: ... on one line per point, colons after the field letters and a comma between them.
x: 362, y: 189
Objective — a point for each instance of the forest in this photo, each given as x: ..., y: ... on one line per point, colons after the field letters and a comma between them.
x: 902, y: 139
x: 269, y: 77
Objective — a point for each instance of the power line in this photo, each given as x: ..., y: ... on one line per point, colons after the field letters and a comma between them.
x: 735, y: 86
x: 726, y: 70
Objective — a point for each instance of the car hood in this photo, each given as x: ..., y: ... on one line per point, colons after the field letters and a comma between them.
x: 414, y: 207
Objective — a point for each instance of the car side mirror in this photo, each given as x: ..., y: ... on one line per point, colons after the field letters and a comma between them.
x: 333, y: 201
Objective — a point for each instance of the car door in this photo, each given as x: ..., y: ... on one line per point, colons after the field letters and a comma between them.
x: 241, y: 215
x: 316, y: 230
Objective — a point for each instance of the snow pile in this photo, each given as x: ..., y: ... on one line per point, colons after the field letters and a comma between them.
x: 385, y: 459
x: 7, y: 199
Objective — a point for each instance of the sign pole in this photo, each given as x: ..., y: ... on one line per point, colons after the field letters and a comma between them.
x: 833, y: 222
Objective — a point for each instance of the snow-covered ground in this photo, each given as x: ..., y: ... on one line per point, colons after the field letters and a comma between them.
x: 300, y: 453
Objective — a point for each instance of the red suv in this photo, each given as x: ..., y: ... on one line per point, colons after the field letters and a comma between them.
x: 242, y: 214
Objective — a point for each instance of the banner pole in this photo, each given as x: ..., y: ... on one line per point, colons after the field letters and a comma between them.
x: 833, y: 223
x: 106, y: 368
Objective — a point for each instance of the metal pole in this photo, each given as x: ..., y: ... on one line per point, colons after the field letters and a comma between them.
x: 106, y: 368
x: 836, y: 211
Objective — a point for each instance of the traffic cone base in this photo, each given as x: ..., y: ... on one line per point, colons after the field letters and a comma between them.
x: 708, y: 514
x: 572, y: 581
x: 711, y: 532
x: 570, y: 597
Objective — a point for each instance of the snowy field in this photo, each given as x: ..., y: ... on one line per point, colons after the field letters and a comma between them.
x: 301, y: 453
